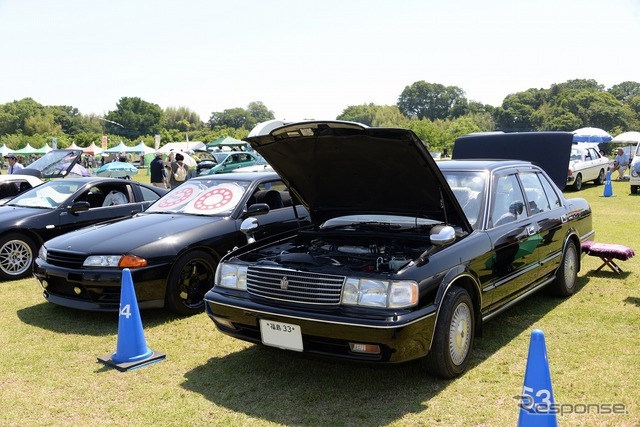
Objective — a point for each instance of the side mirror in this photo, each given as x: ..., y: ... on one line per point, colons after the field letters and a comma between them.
x: 248, y: 227
x: 78, y: 207
x: 257, y: 209
x: 442, y: 235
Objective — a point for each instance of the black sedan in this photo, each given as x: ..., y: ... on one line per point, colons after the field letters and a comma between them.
x: 404, y: 259
x: 172, y: 249
x: 59, y: 206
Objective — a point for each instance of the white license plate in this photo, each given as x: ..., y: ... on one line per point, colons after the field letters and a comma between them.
x: 281, y: 335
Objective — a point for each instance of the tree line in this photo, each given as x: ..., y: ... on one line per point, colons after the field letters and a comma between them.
x: 437, y: 113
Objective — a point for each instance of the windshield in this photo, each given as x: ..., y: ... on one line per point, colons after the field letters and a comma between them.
x: 219, y: 157
x: 202, y: 197
x: 55, y: 162
x: 48, y: 195
x: 575, y: 155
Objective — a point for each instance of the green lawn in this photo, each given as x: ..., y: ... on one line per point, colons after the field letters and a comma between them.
x: 49, y: 374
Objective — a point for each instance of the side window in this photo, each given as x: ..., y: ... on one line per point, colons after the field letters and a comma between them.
x: 508, y: 201
x: 536, y: 199
x: 552, y: 197
x: 273, y: 193
x: 107, y: 195
x: 148, y: 195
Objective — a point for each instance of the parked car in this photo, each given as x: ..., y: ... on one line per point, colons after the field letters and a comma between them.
x: 227, y: 161
x: 403, y: 260
x: 634, y: 168
x: 172, y: 249
x: 260, y: 165
x: 54, y: 164
x: 586, y: 164
x: 60, y: 206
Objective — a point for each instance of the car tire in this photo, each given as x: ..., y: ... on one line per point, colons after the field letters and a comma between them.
x: 17, y: 253
x: 577, y: 185
x: 567, y: 274
x: 453, y: 337
x: 190, y: 278
x: 600, y: 180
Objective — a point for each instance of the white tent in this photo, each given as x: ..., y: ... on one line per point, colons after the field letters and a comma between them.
x: 182, y: 146
x: 4, y: 150
x: 74, y: 146
x: 629, y: 137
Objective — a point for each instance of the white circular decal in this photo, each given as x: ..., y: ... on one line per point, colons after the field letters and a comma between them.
x: 179, y: 196
x: 215, y: 200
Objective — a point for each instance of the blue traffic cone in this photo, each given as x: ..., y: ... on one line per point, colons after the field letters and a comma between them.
x: 131, y: 349
x: 537, y: 407
x: 608, y: 189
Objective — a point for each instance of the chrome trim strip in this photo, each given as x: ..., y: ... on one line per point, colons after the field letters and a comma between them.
x: 322, y: 321
x: 516, y: 300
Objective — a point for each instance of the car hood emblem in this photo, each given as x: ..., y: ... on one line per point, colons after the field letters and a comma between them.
x: 284, y: 283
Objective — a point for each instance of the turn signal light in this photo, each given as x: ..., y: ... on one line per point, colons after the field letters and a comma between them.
x: 364, y: 348
x: 132, y: 261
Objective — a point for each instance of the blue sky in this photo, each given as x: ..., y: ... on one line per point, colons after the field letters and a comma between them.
x: 305, y: 59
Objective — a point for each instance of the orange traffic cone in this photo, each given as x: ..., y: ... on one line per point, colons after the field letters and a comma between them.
x: 131, y: 350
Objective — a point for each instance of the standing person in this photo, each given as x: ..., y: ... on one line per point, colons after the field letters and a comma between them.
x: 620, y: 163
x: 178, y: 171
x: 156, y: 168
x: 14, y: 166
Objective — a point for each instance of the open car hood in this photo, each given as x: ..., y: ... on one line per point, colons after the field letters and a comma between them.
x: 549, y: 150
x: 54, y: 164
x: 341, y: 168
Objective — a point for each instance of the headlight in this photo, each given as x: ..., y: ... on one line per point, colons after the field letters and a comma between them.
x: 120, y: 261
x: 231, y: 276
x: 380, y: 293
x: 102, y: 261
x: 42, y: 253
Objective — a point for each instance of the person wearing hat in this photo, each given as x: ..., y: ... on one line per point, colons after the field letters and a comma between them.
x: 620, y: 163
x: 157, y: 171
x: 14, y: 166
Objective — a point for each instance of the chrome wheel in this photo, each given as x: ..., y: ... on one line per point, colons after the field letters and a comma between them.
x: 570, y: 267
x: 460, y: 333
x: 16, y: 258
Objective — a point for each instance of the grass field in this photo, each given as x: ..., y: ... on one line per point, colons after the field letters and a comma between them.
x: 49, y: 374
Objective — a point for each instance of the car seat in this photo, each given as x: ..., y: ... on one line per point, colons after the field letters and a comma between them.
x: 273, y: 199
x: 115, y: 198
x: 94, y: 199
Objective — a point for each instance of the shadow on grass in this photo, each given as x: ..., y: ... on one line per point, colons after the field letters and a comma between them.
x: 633, y: 300
x: 69, y: 321
x: 292, y: 388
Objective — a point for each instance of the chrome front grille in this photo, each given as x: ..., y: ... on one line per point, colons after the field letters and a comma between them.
x: 294, y: 286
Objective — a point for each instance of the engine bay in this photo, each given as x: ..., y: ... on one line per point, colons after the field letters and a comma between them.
x: 342, y: 252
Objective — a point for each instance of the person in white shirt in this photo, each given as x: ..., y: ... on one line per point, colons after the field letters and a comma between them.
x: 14, y: 166
x: 620, y: 163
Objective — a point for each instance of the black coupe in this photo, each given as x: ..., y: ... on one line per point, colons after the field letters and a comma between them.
x: 172, y: 249
x: 405, y: 258
x: 60, y: 206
